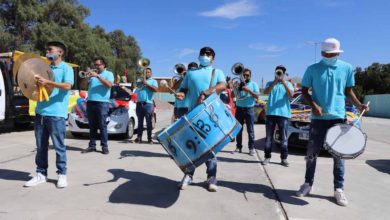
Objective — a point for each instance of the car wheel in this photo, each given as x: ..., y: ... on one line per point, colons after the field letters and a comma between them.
x: 130, y: 129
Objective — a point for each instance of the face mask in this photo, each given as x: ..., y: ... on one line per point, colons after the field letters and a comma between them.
x: 204, y: 60
x: 330, y: 61
x: 51, y: 57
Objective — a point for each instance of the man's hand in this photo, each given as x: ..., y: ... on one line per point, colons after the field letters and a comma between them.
x: 93, y: 74
x: 363, y: 107
x: 180, y: 95
x: 317, y: 110
x: 246, y: 89
x: 201, y: 98
x: 42, y: 81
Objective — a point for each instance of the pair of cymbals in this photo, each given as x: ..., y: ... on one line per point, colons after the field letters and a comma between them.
x: 26, y: 73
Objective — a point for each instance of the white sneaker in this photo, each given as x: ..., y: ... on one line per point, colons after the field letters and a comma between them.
x: 252, y: 152
x: 340, y: 197
x: 62, y: 183
x: 38, y: 179
x: 304, y: 190
x: 212, y: 184
x: 187, y: 180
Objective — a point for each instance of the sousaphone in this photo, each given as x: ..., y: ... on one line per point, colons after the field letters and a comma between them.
x: 26, y: 77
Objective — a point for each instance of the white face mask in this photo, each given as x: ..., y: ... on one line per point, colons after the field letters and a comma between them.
x: 330, y: 61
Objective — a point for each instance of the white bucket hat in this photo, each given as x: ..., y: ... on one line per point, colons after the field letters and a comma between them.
x: 331, y: 45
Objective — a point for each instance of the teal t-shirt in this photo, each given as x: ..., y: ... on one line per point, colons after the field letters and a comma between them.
x: 328, y: 84
x: 97, y: 91
x: 198, y: 80
x: 245, y: 99
x: 145, y: 94
x: 181, y: 103
x: 278, y: 103
x: 58, y: 99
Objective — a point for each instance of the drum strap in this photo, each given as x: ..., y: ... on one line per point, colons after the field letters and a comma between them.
x: 212, y: 78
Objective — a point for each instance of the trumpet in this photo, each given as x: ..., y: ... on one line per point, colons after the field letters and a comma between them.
x: 143, y: 64
x: 86, y: 73
x: 238, y: 81
x: 180, y: 69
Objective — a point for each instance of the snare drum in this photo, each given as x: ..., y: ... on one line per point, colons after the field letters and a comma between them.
x: 199, y: 135
x: 345, y: 141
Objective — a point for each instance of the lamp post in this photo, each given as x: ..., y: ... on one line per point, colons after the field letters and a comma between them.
x: 315, y: 43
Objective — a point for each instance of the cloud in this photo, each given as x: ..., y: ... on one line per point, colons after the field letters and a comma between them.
x: 186, y: 51
x: 267, y: 48
x: 233, y: 10
x: 268, y: 56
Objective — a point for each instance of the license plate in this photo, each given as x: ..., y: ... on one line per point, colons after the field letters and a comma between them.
x: 304, y: 136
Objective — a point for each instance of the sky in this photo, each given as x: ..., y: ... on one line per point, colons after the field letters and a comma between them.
x: 261, y: 34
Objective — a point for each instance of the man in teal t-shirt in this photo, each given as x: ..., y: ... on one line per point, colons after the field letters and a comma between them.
x: 278, y: 112
x: 246, y: 100
x: 51, y: 115
x: 331, y: 81
x: 145, y: 105
x: 99, y: 91
x: 196, y: 86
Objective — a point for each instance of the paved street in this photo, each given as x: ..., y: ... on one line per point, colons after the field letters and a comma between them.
x: 139, y: 181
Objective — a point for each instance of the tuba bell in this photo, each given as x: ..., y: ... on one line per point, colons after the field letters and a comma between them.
x: 143, y: 64
x: 239, y: 81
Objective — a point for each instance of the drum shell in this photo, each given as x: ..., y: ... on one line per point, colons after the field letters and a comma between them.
x: 199, y: 135
x: 345, y: 141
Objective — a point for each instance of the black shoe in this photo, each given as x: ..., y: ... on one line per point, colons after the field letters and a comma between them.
x: 89, y: 149
x: 137, y: 140
x: 105, y: 150
x: 150, y: 141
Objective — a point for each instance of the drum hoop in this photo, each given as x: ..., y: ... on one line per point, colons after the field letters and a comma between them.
x: 344, y: 156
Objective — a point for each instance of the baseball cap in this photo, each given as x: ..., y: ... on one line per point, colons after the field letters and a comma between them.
x: 331, y: 45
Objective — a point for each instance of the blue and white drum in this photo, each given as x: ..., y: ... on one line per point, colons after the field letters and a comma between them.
x: 199, y: 135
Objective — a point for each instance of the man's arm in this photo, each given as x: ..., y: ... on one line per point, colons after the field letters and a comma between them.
x: 105, y: 82
x: 270, y: 87
x: 252, y: 93
x: 355, y: 101
x: 289, y: 92
x: 316, y: 109
x: 45, y: 82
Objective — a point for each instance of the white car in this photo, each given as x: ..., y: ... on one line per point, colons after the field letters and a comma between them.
x: 122, y: 118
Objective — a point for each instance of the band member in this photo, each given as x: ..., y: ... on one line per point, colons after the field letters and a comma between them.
x: 181, y: 106
x: 278, y: 112
x: 246, y: 100
x: 50, y: 116
x: 196, y: 86
x: 99, y: 89
x: 145, y: 105
x: 331, y: 81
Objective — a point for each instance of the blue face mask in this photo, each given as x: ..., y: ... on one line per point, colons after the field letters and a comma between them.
x: 204, y: 60
x: 51, y: 57
x: 330, y: 61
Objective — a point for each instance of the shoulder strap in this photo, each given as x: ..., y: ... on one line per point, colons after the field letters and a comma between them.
x: 212, y: 78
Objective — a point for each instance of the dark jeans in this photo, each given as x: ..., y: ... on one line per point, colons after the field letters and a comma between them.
x: 54, y: 127
x: 270, y: 124
x: 180, y: 112
x: 247, y: 116
x: 318, y: 129
x: 211, y: 165
x: 144, y: 110
x: 97, y: 117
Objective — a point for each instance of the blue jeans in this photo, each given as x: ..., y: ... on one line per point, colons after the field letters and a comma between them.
x: 270, y: 124
x: 247, y: 116
x: 97, y: 117
x: 211, y: 165
x: 54, y: 127
x: 144, y: 110
x: 318, y: 129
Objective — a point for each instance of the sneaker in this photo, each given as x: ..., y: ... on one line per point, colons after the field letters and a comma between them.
x: 187, y: 180
x: 89, y: 149
x: 150, y: 141
x: 38, y: 179
x: 62, y: 183
x: 304, y: 190
x: 137, y: 140
x: 105, y: 150
x: 252, y: 152
x: 266, y: 161
x: 285, y: 163
x: 212, y: 184
x: 340, y: 197
x: 237, y: 150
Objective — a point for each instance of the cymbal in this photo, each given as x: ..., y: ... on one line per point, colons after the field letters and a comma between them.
x: 20, y: 60
x: 26, y: 77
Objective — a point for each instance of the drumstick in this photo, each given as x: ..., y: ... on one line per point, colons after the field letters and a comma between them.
x: 368, y: 103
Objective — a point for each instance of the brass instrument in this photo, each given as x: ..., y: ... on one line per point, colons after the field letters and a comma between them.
x: 238, y: 81
x: 86, y: 73
x: 143, y: 64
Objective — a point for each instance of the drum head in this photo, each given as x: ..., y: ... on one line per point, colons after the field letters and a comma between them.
x: 345, y: 139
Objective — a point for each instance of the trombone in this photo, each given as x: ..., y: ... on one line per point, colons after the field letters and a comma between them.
x: 239, y: 81
x: 143, y: 64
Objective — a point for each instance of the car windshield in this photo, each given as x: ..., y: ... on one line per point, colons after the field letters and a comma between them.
x: 119, y: 94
